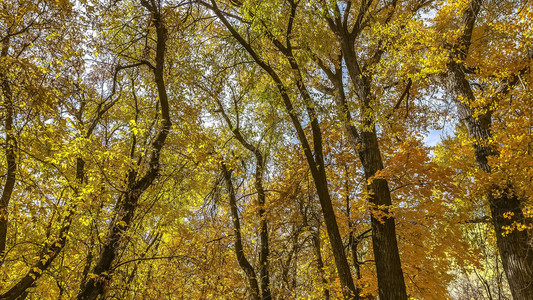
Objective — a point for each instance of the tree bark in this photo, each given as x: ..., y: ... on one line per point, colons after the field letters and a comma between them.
x: 50, y: 252
x: 386, y: 254
x: 391, y: 283
x: 264, y: 276
x: 515, y: 250
x: 10, y: 155
x: 239, y: 250
x: 314, y: 156
x: 125, y: 210
x: 315, y: 238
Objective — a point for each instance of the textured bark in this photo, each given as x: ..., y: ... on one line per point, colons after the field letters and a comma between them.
x: 515, y: 250
x: 9, y: 183
x: 391, y: 283
x: 126, y: 207
x: 239, y: 250
x: 386, y: 254
x: 314, y: 155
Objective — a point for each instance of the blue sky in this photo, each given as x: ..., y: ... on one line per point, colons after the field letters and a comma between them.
x: 433, y: 137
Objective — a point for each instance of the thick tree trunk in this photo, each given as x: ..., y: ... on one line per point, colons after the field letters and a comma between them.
x: 514, y: 247
x: 388, y: 266
x: 515, y: 250
x: 391, y: 283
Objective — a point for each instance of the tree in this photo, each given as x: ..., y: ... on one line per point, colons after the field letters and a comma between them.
x: 136, y: 183
x: 314, y: 157
x: 162, y: 149
x: 476, y: 110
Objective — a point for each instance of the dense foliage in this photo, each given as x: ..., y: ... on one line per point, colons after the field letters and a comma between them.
x: 280, y: 149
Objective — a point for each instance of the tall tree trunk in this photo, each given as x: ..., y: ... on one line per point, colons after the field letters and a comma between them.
x: 515, y: 250
x: 239, y: 250
x: 264, y: 276
x: 514, y: 247
x: 9, y: 152
x: 125, y: 210
x: 386, y: 254
x: 314, y: 155
x: 391, y: 283
x: 264, y: 253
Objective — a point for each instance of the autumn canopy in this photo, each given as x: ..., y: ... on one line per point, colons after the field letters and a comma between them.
x: 266, y: 149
